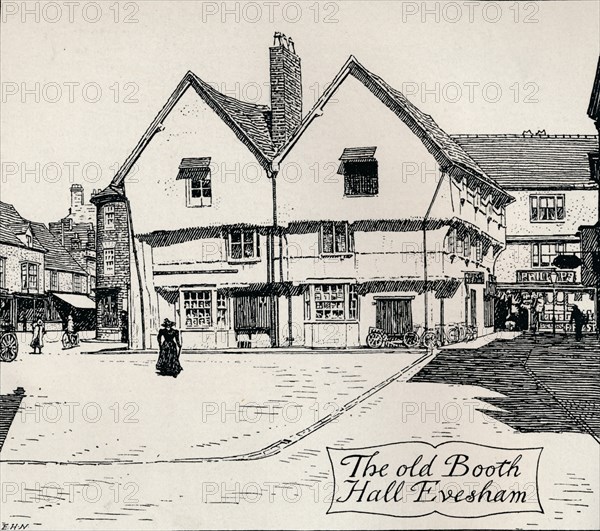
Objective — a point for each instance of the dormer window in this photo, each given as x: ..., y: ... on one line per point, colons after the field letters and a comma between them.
x: 29, y: 240
x: 197, y: 175
x: 360, y: 170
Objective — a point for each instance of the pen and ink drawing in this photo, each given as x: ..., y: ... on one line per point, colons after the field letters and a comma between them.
x: 313, y: 282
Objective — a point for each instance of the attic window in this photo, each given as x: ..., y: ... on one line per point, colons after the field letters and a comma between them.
x: 196, y: 172
x: 360, y: 170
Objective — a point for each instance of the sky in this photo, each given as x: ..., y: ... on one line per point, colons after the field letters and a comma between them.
x: 81, y: 81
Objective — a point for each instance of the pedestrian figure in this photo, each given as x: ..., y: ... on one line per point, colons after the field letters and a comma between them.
x: 578, y: 319
x: 169, y: 350
x: 535, y: 317
x: 37, y: 340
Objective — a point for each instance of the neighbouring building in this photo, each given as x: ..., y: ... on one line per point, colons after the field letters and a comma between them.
x: 38, y: 277
x: 590, y: 234
x: 253, y: 226
x: 77, y: 234
x: 549, y: 176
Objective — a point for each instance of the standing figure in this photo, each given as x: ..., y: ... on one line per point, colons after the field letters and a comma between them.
x: 535, y: 316
x: 169, y: 350
x: 37, y: 340
x: 578, y: 319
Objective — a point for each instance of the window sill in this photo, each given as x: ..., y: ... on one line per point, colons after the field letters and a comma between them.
x: 361, y: 195
x: 547, y: 221
x: 198, y: 206
x: 243, y: 260
x: 332, y: 321
x: 210, y: 329
x: 336, y: 255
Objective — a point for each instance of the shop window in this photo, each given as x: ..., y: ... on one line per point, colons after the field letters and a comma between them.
x: 108, y: 311
x: 307, y: 305
x: 329, y: 302
x: 197, y: 307
x: 221, y: 310
x: 352, y: 302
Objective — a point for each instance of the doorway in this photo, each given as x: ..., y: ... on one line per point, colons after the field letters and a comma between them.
x: 394, y: 316
x: 473, y: 308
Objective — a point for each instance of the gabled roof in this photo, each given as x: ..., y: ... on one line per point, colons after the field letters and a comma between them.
x: 529, y: 162
x: 11, y: 224
x: 449, y: 155
x: 249, y: 122
x: 57, y: 256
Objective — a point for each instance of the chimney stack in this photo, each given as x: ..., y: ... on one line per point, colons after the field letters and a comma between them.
x: 76, y: 196
x: 286, y: 89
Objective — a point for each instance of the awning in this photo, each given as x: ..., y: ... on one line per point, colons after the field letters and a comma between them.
x: 194, y: 168
x: 358, y: 153
x: 351, y: 157
x: 77, y: 301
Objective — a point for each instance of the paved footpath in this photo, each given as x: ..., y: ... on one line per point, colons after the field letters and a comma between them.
x: 291, y: 487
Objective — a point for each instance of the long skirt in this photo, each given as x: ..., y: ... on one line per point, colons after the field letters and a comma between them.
x: 168, y: 360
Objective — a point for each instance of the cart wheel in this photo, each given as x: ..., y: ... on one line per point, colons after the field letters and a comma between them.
x: 429, y: 339
x: 410, y: 339
x: 66, y: 342
x: 375, y: 340
x: 454, y: 334
x: 472, y: 333
x: 9, y: 347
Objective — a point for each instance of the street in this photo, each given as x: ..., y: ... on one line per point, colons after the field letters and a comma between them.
x: 101, y: 442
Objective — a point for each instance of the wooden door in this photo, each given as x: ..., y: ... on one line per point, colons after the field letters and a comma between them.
x: 473, y: 308
x: 394, y: 316
x: 251, y: 313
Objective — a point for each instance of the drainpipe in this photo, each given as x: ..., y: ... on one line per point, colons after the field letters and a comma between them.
x: 425, y: 219
x: 271, y: 268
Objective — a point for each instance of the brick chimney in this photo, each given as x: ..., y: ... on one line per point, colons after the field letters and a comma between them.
x: 76, y: 197
x: 286, y: 89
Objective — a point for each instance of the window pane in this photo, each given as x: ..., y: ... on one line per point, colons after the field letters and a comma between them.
x: 341, y: 238
x: 327, y: 229
x: 197, y: 308
x: 329, y: 303
x: 534, y: 208
x: 242, y: 244
x: 560, y: 208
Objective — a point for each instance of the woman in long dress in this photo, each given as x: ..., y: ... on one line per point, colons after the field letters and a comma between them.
x: 37, y: 340
x: 169, y: 349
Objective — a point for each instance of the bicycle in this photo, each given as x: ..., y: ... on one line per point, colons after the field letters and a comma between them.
x: 70, y: 339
